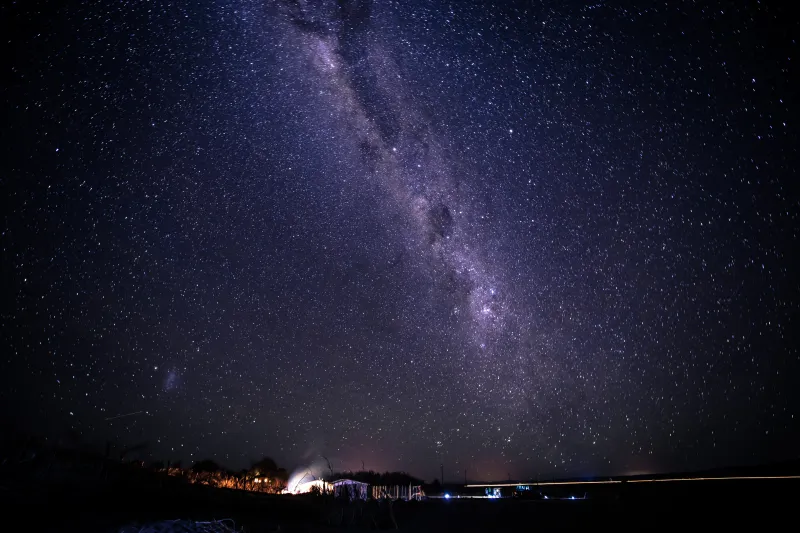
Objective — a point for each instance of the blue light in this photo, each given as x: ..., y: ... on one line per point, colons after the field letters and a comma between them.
x: 572, y: 497
x: 446, y: 496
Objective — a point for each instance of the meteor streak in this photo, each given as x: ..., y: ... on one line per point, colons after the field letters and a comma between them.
x: 122, y: 416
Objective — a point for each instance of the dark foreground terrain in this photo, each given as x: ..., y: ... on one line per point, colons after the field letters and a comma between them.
x: 110, y: 506
x: 68, y: 490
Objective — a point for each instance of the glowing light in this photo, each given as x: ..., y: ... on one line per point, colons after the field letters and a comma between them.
x: 446, y: 496
x: 308, y: 486
x: 733, y: 478
x: 651, y: 480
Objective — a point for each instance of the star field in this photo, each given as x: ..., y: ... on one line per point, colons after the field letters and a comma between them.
x: 519, y: 239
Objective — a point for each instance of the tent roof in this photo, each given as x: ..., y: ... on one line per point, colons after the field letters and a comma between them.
x: 348, y: 482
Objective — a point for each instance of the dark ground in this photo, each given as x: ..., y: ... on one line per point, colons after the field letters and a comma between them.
x: 763, y: 504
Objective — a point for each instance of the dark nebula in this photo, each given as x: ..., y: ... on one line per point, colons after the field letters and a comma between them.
x: 441, y: 222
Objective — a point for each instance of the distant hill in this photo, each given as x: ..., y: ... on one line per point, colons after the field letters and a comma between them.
x: 782, y: 468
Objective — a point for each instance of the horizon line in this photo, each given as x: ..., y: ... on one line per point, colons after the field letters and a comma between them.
x: 612, y: 481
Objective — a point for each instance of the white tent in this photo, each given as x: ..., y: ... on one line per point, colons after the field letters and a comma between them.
x: 355, y: 490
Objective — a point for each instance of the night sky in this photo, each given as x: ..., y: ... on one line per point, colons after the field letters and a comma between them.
x: 523, y: 238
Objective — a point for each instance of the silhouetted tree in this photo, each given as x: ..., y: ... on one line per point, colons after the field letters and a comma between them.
x: 142, y: 446
x: 206, y: 466
x: 282, y: 475
x: 264, y: 467
x: 275, y: 478
x: 330, y: 468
